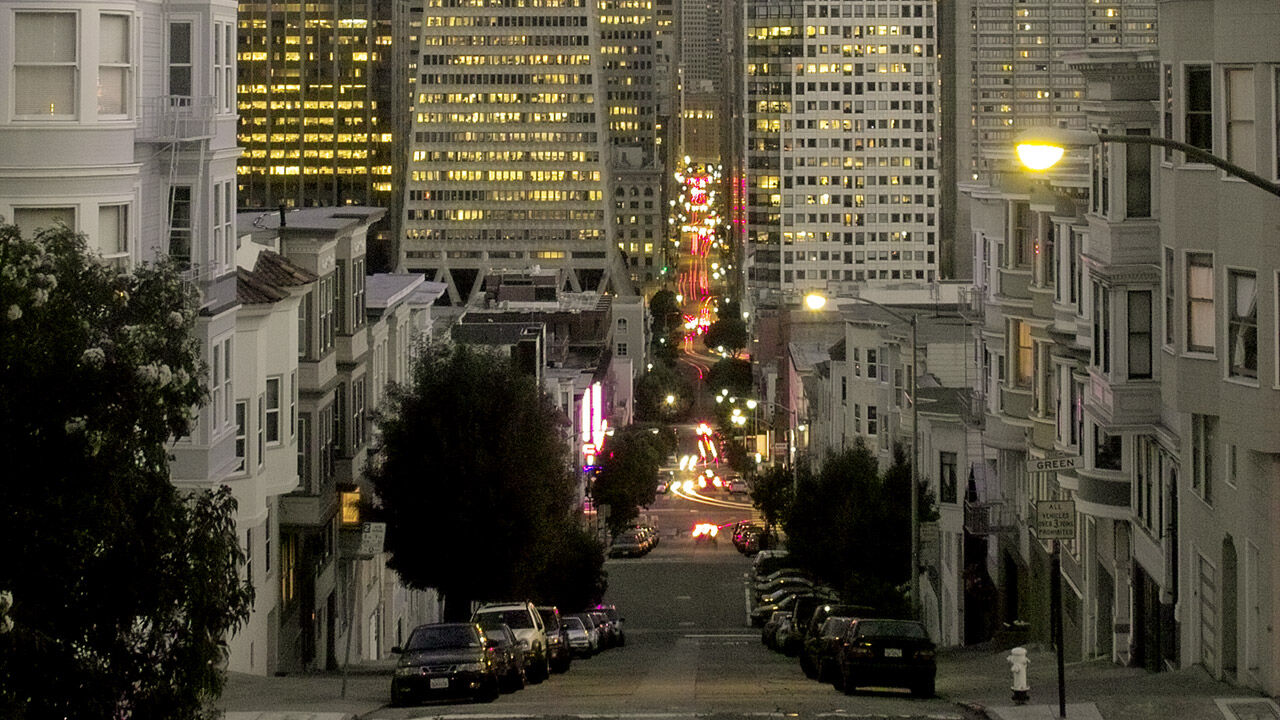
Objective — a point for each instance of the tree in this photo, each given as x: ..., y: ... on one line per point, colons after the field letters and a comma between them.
x: 665, y: 312
x: 848, y: 524
x: 628, y: 475
x: 729, y: 333
x: 473, y: 472
x: 124, y: 589
x: 652, y: 390
x: 731, y: 374
x: 771, y: 493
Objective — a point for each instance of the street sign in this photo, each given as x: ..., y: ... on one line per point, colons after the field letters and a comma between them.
x: 372, y: 536
x: 1053, y: 464
x: 1056, y: 520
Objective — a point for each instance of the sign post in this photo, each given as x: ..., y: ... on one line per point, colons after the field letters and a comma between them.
x: 1056, y: 521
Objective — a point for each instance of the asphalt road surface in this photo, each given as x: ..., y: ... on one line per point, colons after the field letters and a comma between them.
x: 689, y: 651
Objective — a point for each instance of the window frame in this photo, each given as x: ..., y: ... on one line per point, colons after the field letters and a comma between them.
x: 1135, y: 335
x: 1204, y: 431
x: 124, y: 67
x: 242, y: 437
x: 1244, y: 322
x: 71, y: 66
x: 1199, y: 114
x: 1247, y: 155
x: 1191, y: 302
x: 273, y: 412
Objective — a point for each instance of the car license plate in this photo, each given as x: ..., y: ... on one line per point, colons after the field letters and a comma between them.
x: 439, y: 683
x: 893, y: 652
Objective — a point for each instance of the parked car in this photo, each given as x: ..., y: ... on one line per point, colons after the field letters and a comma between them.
x: 826, y: 610
x: 762, y: 612
x: 767, y: 561
x: 778, y: 622
x: 818, y: 657
x: 782, y: 583
x: 890, y: 653
x: 557, y: 639
x: 444, y: 660
x: 615, y: 619
x: 628, y: 543
x: 740, y: 529
x: 608, y: 631
x: 582, y: 641
x: 509, y: 652
x: 526, y: 623
x: 802, y: 613
x: 781, y: 573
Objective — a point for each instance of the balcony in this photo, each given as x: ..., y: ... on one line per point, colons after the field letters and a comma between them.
x: 988, y: 518
x: 175, y: 118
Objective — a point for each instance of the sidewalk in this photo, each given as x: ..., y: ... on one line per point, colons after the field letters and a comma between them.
x: 309, y: 696
x: 1095, y: 690
x: 975, y: 678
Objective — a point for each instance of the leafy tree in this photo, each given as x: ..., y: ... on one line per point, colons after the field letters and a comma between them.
x: 652, y: 390
x: 665, y: 312
x: 729, y: 333
x: 473, y: 473
x: 771, y: 493
x: 732, y: 374
x: 628, y: 474
x: 849, y: 525
x: 573, y: 576
x: 123, y: 587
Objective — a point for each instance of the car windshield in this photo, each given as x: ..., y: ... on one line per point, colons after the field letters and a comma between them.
x: 515, y: 618
x: 574, y: 623
x: 443, y: 637
x: 496, y: 633
x: 893, y: 628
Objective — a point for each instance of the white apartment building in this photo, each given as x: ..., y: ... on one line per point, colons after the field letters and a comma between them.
x: 1133, y: 329
x: 508, y: 164
x: 841, y: 176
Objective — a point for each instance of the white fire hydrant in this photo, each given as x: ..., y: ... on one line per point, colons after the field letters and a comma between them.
x: 1018, y: 662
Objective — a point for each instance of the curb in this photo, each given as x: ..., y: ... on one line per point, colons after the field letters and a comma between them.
x: 977, y: 710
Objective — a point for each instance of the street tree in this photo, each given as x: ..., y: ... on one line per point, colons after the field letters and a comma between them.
x: 848, y: 524
x: 472, y: 471
x: 771, y: 493
x: 728, y: 334
x: 665, y: 314
x: 124, y: 589
x: 732, y: 374
x: 628, y: 474
x: 655, y: 386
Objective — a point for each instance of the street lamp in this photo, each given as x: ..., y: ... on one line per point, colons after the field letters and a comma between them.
x: 1041, y: 148
x: 816, y: 300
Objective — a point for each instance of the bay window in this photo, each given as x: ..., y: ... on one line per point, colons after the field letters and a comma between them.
x: 1200, y: 320
x: 45, y: 61
x: 1242, y: 324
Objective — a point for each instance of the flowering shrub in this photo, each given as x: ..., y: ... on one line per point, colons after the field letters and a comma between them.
x: 118, y: 580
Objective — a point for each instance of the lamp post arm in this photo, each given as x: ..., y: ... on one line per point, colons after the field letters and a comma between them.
x: 1195, y: 154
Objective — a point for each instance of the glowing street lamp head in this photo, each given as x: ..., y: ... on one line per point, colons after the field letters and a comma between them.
x: 1039, y: 156
x: 815, y: 301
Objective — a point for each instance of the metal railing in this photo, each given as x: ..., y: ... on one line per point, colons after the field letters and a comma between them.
x: 175, y: 118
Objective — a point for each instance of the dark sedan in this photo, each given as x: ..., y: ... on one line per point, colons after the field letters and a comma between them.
x: 445, y: 660
x: 887, y: 653
x: 510, y: 652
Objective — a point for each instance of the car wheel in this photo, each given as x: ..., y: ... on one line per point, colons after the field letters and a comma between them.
x: 847, y: 681
x: 540, y: 669
x: 824, y: 671
x: 806, y: 666
x: 562, y: 665
x: 924, y: 689
x: 490, y: 691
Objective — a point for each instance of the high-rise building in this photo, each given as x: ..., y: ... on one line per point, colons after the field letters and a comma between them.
x: 702, y: 77
x: 323, y: 104
x: 841, y: 185
x: 628, y: 57
x: 509, y: 148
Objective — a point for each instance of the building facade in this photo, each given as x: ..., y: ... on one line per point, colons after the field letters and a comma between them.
x: 509, y: 147
x: 323, y: 96
x: 841, y: 169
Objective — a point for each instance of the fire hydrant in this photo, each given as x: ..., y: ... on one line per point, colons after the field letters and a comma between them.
x: 1018, y: 662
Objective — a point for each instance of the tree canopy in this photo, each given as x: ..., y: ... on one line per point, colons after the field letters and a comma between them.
x: 655, y: 386
x: 628, y: 476
x: 124, y: 589
x: 732, y: 374
x: 473, y: 478
x: 849, y: 525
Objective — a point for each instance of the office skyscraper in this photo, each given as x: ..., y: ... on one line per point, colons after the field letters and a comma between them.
x: 323, y: 101
x: 840, y: 134
x: 509, y: 151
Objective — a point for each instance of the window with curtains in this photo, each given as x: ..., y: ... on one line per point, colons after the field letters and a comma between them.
x: 1138, y: 318
x: 45, y: 62
x: 1242, y: 324
x: 1197, y: 106
x: 1200, y: 320
x: 1241, y: 146
x: 114, y: 65
x: 113, y: 234
x: 1023, y: 353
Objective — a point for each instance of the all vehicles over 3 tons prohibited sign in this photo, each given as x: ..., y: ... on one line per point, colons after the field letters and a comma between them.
x: 1056, y: 520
